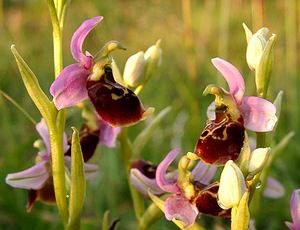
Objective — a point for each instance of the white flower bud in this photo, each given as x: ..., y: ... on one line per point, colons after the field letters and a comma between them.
x: 258, y: 159
x: 134, y: 69
x: 232, y: 186
x: 256, y: 46
x: 153, y: 54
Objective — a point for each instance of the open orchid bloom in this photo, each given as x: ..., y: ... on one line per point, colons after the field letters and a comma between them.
x: 93, y: 79
x: 295, y: 211
x: 257, y: 113
x: 230, y: 113
x: 177, y: 205
x: 191, y: 193
x: 142, y: 177
x: 38, y: 178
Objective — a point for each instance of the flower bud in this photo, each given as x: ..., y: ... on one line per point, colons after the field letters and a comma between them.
x: 258, y: 159
x: 256, y: 46
x: 232, y: 186
x: 134, y: 69
x: 259, y: 57
x: 153, y: 54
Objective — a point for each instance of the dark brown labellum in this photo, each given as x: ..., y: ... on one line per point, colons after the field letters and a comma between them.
x: 207, y: 202
x: 145, y: 167
x: 221, y: 140
x: 88, y: 142
x: 45, y: 194
x: 115, y: 104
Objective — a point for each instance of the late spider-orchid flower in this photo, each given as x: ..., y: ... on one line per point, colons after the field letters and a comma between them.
x: 190, y: 194
x: 258, y: 114
x: 92, y: 77
x: 295, y: 211
x: 38, y: 178
x: 232, y: 112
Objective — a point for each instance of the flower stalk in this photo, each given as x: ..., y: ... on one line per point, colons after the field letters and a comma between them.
x: 57, y: 123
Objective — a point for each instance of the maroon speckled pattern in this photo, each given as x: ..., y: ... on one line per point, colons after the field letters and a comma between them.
x: 125, y: 109
x: 221, y: 140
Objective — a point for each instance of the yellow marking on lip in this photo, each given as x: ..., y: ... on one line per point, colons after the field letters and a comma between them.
x: 116, y: 97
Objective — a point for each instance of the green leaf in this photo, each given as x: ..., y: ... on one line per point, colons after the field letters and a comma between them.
x: 44, y: 105
x: 105, y: 221
x: 78, y: 183
x: 142, y: 139
x: 278, y: 103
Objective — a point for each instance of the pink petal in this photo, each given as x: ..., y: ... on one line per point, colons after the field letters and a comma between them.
x: 291, y: 226
x: 295, y: 208
x: 161, y: 171
x: 108, y: 134
x: 178, y: 207
x: 42, y: 129
x: 70, y: 86
x: 32, y: 178
x: 78, y: 39
x: 143, y: 183
x: 258, y: 113
x: 204, y: 173
x: 233, y: 77
x: 273, y: 188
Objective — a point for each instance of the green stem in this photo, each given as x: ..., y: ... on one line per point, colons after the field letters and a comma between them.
x: 152, y: 214
x: 58, y: 170
x: 127, y: 152
x: 56, y: 125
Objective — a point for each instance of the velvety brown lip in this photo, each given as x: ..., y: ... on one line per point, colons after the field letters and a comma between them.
x: 116, y: 104
x: 221, y: 140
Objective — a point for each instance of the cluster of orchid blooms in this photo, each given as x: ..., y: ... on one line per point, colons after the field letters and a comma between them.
x: 190, y: 190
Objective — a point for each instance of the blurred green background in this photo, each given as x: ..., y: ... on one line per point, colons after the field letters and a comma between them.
x: 192, y: 32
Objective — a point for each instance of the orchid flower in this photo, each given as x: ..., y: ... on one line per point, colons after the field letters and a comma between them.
x: 93, y: 78
x: 258, y: 114
x: 222, y: 138
x: 190, y: 194
x: 295, y: 211
x: 38, y: 178
x: 142, y: 176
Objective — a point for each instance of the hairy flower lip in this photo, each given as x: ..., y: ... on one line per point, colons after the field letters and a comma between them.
x: 37, y: 178
x: 116, y: 104
x: 83, y: 80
